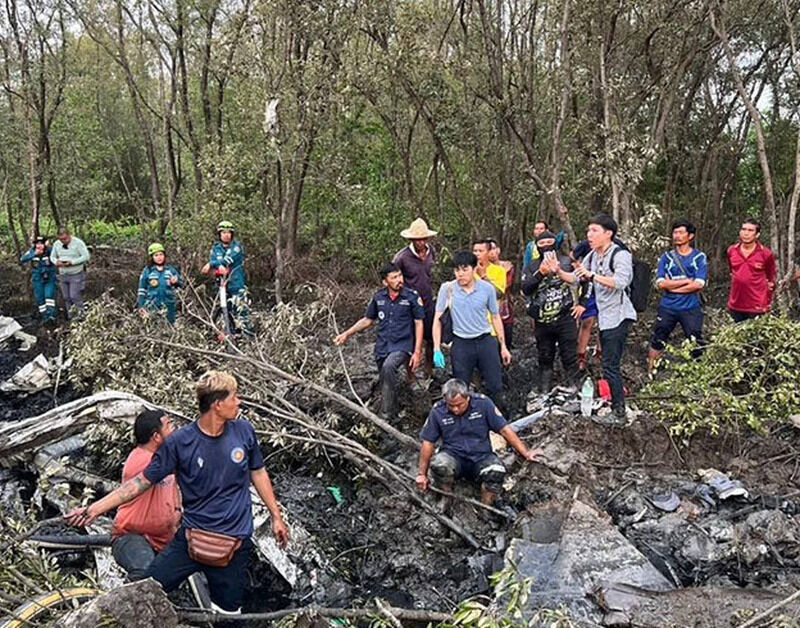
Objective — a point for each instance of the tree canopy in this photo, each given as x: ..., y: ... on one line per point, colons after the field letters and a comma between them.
x: 326, y: 126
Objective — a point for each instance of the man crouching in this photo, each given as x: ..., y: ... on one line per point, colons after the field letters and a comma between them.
x: 463, y: 421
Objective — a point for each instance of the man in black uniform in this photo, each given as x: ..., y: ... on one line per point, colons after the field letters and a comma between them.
x: 463, y: 421
x: 400, y: 314
x: 551, y: 307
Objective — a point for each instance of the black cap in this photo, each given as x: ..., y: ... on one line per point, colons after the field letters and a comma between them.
x: 545, y: 235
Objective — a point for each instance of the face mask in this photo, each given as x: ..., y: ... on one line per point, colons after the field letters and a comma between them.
x: 545, y: 249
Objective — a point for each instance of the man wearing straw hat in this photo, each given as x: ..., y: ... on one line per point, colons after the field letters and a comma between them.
x: 416, y: 262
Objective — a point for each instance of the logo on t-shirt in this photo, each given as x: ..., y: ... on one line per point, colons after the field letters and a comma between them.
x: 237, y: 454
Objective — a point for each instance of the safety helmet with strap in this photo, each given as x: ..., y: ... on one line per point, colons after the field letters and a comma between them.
x: 225, y: 225
x: 154, y: 248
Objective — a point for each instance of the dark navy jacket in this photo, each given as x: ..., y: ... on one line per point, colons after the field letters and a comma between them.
x: 465, y: 436
x: 395, y: 320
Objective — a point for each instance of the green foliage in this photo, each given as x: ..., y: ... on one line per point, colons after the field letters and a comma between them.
x: 509, y: 609
x: 122, y: 233
x: 746, y: 378
x: 108, y: 353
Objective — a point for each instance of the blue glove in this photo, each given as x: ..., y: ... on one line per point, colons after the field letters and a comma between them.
x: 438, y: 359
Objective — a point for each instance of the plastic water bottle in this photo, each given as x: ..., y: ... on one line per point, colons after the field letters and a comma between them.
x: 587, y: 397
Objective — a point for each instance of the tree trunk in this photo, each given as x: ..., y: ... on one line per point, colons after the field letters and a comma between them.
x: 763, y: 161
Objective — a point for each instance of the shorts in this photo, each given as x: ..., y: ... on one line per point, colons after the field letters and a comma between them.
x: 591, y: 309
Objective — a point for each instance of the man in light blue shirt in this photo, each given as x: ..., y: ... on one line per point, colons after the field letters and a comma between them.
x: 610, y: 269
x: 471, y: 303
x: 70, y: 255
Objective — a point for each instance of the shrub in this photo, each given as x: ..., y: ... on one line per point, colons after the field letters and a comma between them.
x: 748, y: 376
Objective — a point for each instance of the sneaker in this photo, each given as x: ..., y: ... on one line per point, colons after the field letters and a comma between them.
x: 199, y: 586
x: 616, y: 418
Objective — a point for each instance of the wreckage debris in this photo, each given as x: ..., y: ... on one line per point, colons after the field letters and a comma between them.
x: 574, y: 557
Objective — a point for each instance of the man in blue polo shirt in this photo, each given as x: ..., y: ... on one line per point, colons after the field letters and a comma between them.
x: 400, y: 313
x: 682, y: 275
x: 463, y: 421
x: 215, y: 459
x: 472, y: 303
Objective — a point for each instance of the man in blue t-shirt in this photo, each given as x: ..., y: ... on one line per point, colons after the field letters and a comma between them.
x: 682, y: 275
x: 462, y: 421
x: 215, y: 459
x: 400, y: 314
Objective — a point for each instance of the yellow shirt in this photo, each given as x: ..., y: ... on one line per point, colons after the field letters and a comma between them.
x: 496, y: 275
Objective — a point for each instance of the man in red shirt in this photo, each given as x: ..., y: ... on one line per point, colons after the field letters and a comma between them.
x: 147, y: 524
x: 753, y: 273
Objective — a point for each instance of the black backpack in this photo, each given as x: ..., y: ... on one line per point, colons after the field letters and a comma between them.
x: 638, y: 290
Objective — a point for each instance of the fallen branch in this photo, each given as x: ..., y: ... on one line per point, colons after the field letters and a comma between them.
x: 755, y: 620
x: 405, y: 614
x: 404, y: 439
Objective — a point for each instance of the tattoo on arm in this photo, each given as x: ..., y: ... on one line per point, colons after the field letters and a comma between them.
x: 133, y: 488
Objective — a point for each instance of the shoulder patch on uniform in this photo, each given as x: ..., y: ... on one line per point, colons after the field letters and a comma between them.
x: 237, y: 248
x: 419, y: 301
x: 497, y: 411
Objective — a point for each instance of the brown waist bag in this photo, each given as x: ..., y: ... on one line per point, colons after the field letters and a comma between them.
x: 212, y: 548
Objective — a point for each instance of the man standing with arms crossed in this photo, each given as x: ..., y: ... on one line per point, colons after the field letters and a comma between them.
x: 682, y: 274
x: 753, y: 272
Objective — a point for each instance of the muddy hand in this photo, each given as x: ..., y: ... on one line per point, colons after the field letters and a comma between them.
x: 422, y: 483
x: 281, y: 533
x: 80, y: 517
x: 533, y: 455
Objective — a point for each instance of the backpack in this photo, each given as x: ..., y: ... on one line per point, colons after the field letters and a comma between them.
x: 638, y: 290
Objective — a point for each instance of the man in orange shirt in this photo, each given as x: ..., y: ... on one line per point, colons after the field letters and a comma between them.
x: 147, y: 524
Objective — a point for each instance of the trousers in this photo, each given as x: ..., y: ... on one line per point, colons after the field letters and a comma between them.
x: 561, y: 333
x: 481, y: 352
x: 72, y: 287
x: 388, y: 367
x: 226, y: 584
x: 612, y: 342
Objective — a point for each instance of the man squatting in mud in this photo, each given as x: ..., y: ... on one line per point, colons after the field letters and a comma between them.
x: 463, y: 420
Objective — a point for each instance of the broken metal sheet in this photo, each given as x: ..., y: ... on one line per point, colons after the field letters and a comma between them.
x: 32, y: 377
x: 21, y: 436
x: 590, y: 552
x: 8, y: 327
x: 282, y: 560
x: 27, y: 341
x: 525, y: 422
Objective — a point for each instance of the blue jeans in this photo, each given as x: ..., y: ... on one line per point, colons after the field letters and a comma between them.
x: 612, y: 342
x: 134, y: 554
x: 226, y: 584
x: 691, y: 321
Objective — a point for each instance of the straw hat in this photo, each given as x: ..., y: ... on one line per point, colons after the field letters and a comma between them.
x: 417, y: 231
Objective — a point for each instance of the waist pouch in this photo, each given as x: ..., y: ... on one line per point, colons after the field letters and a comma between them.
x: 211, y: 548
